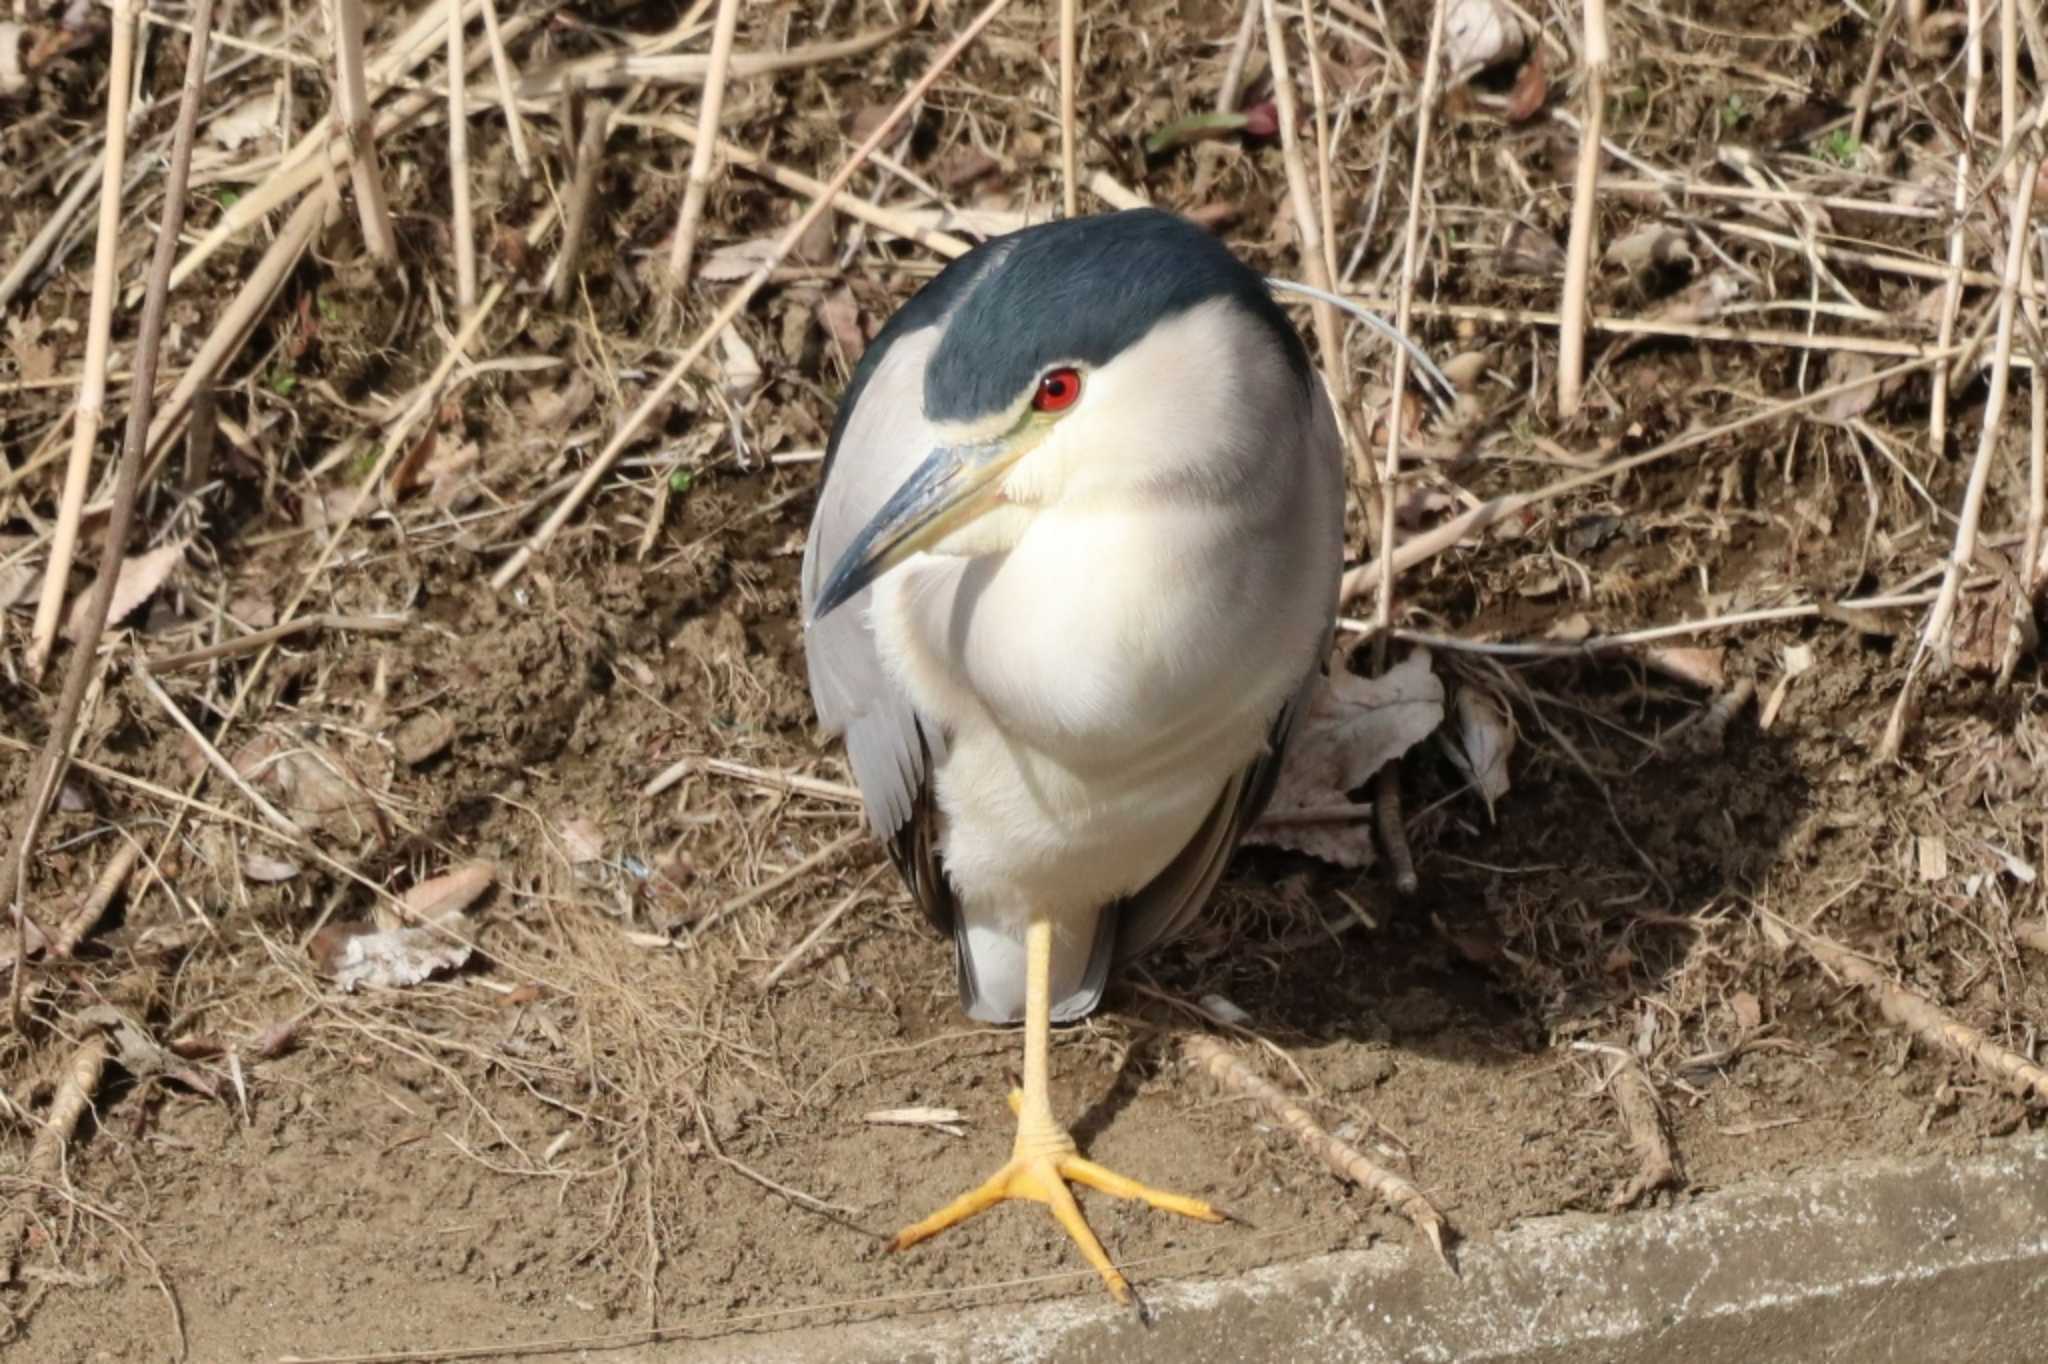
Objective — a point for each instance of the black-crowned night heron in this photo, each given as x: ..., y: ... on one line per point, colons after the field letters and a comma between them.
x: 1072, y: 572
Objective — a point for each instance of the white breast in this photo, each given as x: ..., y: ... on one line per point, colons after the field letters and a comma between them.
x: 1099, y: 684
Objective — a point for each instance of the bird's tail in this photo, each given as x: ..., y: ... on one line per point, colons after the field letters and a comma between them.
x: 993, y: 968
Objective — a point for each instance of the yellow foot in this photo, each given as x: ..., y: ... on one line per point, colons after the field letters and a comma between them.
x: 1042, y: 1165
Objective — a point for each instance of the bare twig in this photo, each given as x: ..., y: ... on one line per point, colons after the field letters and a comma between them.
x: 1308, y: 219
x: 356, y: 127
x: 501, y: 67
x: 49, y: 769
x: 1345, y: 1160
x: 735, y: 301
x: 1923, y: 1018
x: 767, y: 888
x: 1935, y: 637
x: 80, y: 921
x: 723, y: 28
x: 278, y: 819
x: 816, y: 935
x: 852, y: 205
x: 1070, y: 152
x: 582, y: 193
x: 46, y: 1154
x: 261, y: 639
x: 1578, y: 259
x: 99, y: 328
x: 458, y: 163
x: 1635, y: 1099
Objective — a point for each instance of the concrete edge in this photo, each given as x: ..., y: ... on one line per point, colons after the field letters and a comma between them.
x: 1877, y: 1260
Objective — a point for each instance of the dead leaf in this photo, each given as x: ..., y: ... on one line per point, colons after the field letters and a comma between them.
x: 1932, y: 854
x: 451, y: 892
x: 1652, y: 244
x: 1479, y: 34
x: 141, y: 575
x: 839, y: 315
x: 738, y: 366
x: 1696, y: 666
x: 34, y: 356
x: 1526, y: 251
x: 268, y: 870
x: 1486, y: 739
x: 1748, y: 1012
x: 1531, y: 90
x: 736, y: 260
x: 582, y: 841
x: 965, y: 164
x: 391, y: 959
x: 246, y: 121
x: 13, y: 79
x: 1354, y: 726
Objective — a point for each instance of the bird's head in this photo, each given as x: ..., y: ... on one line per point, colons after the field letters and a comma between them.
x: 1092, y: 360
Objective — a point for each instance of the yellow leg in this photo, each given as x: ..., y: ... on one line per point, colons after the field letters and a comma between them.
x: 1043, y: 1160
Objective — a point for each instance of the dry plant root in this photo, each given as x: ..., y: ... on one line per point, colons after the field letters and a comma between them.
x: 1346, y: 1160
x: 1636, y: 1100
x: 46, y: 1156
x: 1927, y: 1021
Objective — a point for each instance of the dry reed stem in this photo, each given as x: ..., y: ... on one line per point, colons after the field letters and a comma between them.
x: 278, y: 819
x: 1601, y: 645
x: 1404, y: 315
x: 458, y: 164
x: 1308, y: 223
x: 314, y: 157
x: 1695, y: 331
x: 356, y: 128
x: 50, y: 765
x: 2031, y: 568
x: 260, y: 639
x: 1934, y: 638
x: 508, y: 100
x: 610, y: 70
x: 1642, y: 1119
x: 46, y: 1154
x: 582, y: 195
x: 52, y: 231
x: 1070, y: 152
x: 803, y: 867
x: 1240, y: 52
x: 735, y: 301
x: 1578, y: 259
x: 1423, y: 547
x: 92, y: 391
x: 851, y: 205
x: 839, y: 792
x: 82, y: 920
x: 251, y: 301
x: 1393, y: 828
x: 1923, y: 1018
x: 1345, y: 1160
x: 706, y: 141
x: 812, y: 938
x: 1886, y: 27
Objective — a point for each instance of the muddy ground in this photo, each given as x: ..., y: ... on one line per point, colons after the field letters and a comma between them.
x: 605, y: 1121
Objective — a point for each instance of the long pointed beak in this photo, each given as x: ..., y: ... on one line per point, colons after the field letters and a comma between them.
x: 954, y: 485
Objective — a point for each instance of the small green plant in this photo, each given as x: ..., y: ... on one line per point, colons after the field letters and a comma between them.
x: 330, y: 311
x: 281, y: 381
x: 1732, y: 114
x: 679, y: 481
x: 1838, y: 147
x: 227, y: 198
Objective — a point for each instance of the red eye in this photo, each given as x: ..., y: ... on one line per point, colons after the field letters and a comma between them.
x: 1057, y: 391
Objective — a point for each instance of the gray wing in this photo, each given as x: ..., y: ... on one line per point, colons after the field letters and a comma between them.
x: 882, y: 440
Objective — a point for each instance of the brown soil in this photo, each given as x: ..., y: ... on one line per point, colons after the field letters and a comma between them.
x: 605, y: 1122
